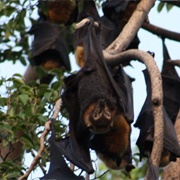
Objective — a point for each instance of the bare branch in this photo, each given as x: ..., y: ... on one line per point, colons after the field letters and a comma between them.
x: 157, y: 94
x: 42, y: 140
x: 175, y: 62
x: 161, y: 32
x: 131, y: 28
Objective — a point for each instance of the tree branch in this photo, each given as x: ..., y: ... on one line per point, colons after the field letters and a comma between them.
x: 157, y: 94
x: 161, y: 32
x: 131, y: 28
x: 175, y: 62
x: 42, y: 140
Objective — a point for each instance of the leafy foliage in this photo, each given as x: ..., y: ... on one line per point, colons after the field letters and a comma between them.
x: 15, y: 22
x: 25, y: 109
x: 166, y: 5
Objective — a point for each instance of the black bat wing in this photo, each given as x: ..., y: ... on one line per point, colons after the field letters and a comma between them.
x: 168, y: 69
x: 72, y: 147
x: 49, y: 43
x: 114, y: 6
x: 153, y: 171
x: 58, y: 168
x: 171, y: 85
x: 170, y: 137
x: 126, y: 91
x: 88, y: 9
x: 146, y: 125
x: 171, y: 89
x: 96, y: 66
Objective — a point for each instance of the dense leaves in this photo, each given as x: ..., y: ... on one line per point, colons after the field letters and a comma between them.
x: 25, y: 109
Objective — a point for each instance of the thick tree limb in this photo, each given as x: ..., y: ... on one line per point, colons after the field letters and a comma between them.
x: 42, y: 140
x: 157, y: 94
x: 131, y: 28
x: 161, y: 32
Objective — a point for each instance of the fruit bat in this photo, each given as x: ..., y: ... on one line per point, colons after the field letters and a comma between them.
x: 118, y: 13
x: 112, y: 6
x: 113, y: 147
x: 97, y: 99
x: 171, y: 86
x: 49, y: 48
x: 58, y: 11
x: 145, y: 122
x: 58, y: 167
x: 87, y: 8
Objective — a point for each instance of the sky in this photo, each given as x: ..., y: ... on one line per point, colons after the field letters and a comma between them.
x: 149, y: 42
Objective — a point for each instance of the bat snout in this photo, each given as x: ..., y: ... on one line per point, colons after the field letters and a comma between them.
x: 98, y: 117
x: 101, y: 125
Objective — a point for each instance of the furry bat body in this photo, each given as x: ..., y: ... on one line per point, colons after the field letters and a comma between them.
x: 99, y: 102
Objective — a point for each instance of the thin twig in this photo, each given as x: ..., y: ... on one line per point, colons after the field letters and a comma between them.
x: 40, y: 164
x: 175, y: 62
x: 161, y: 32
x: 42, y: 140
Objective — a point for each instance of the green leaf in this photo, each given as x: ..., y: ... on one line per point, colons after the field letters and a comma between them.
x: 18, y: 82
x: 27, y: 141
x: 3, y: 101
x: 12, y: 175
x: 11, y: 111
x: 17, y: 75
x: 48, y: 95
x: 160, y: 6
x: 6, y: 128
x: 24, y: 98
x: 169, y: 6
x: 2, y: 5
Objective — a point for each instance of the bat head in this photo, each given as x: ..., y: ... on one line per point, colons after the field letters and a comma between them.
x: 98, y: 117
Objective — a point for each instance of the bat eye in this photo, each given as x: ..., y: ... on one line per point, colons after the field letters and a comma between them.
x: 107, y: 115
x: 97, y: 116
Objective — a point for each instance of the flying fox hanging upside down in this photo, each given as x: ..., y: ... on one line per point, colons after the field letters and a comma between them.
x: 145, y: 122
x: 100, y: 106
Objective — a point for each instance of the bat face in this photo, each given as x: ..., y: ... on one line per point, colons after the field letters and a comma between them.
x: 113, y: 147
x: 99, y: 117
